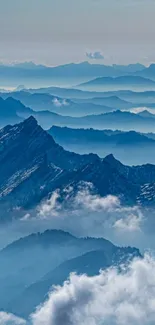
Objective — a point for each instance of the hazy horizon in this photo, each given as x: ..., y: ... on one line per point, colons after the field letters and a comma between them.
x: 121, y: 32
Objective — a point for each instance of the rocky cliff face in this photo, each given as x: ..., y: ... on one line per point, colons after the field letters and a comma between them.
x: 32, y: 166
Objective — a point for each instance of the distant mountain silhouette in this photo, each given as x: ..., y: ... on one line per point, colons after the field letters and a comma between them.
x: 146, y: 114
x: 62, y: 106
x: 130, y: 68
x: 30, y: 74
x: 64, y: 134
x: 147, y: 72
x: 134, y: 97
x: 125, y: 82
x: 111, y: 102
x: 130, y: 147
x: 114, y: 120
x: 13, y: 111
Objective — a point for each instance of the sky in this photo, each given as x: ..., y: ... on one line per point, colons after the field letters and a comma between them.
x: 55, y: 32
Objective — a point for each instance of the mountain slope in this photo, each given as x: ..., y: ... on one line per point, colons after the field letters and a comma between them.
x: 42, y: 162
x: 32, y: 264
x: 30, y: 175
x: 90, y: 263
x: 12, y: 111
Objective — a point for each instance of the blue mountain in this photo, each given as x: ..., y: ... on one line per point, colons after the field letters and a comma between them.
x: 31, y: 265
x: 123, y: 81
x: 27, y: 177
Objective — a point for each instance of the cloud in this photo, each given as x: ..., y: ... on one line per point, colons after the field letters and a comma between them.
x: 59, y: 103
x: 88, y: 214
x: 141, y: 109
x: 95, y: 55
x: 131, y: 223
x: 51, y: 206
x: 111, y: 298
x: 84, y: 199
x: 10, y: 319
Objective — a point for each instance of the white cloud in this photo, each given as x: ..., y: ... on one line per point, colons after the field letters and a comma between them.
x: 86, y: 202
x: 84, y: 199
x: 50, y: 206
x: 10, y: 319
x: 94, y: 202
x: 141, y: 109
x: 131, y: 223
x: 59, y: 103
x: 111, y: 298
x: 88, y: 214
x: 26, y: 217
x: 95, y: 55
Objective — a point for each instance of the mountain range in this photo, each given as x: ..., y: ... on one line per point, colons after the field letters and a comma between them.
x: 31, y: 265
x: 113, y: 102
x: 130, y: 147
x: 77, y: 193
x: 44, y: 102
x: 31, y: 175
x: 65, y: 135
x: 13, y: 111
x: 73, y: 93
x: 122, y: 82
x: 121, y: 120
x: 147, y: 72
x: 30, y: 73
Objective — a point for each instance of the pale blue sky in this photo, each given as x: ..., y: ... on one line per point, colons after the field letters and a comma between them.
x: 60, y: 31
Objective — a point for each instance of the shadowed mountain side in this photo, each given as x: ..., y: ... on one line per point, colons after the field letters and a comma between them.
x: 30, y: 175
x: 34, y: 266
x: 131, y: 148
x: 65, y: 135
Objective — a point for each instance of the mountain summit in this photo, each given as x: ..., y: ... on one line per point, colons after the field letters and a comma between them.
x: 33, y: 165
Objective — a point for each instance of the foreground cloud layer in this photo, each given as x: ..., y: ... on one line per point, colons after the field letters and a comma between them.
x: 9, y: 319
x: 111, y: 298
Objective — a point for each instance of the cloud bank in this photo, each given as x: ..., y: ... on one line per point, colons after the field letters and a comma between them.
x: 111, y: 298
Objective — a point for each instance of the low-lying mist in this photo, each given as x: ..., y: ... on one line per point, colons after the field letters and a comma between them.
x: 86, y: 214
